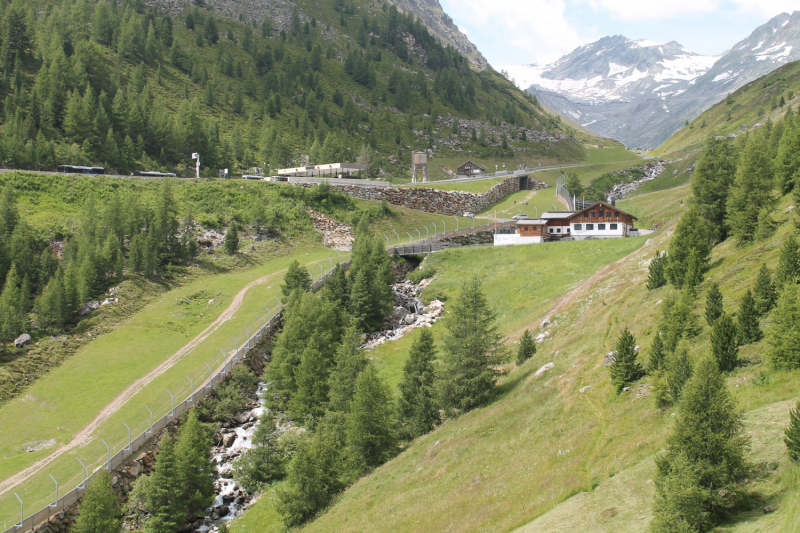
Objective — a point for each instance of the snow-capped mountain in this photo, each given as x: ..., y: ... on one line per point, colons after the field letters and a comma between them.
x: 641, y: 92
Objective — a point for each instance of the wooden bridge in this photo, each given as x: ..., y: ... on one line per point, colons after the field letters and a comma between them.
x: 419, y: 249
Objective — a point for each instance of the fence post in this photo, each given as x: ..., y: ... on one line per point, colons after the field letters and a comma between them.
x: 21, y: 510
x: 149, y: 431
x: 260, y: 332
x: 224, y: 362
x: 54, y: 505
x: 340, y: 255
x: 172, y: 411
x: 278, y: 300
x: 248, y: 337
x: 108, y: 456
x: 210, y: 377
x: 128, y: 448
x: 192, y: 384
x: 83, y: 485
x: 409, y: 238
x: 331, y: 260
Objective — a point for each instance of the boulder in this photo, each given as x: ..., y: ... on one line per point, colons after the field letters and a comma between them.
x: 545, y: 368
x: 584, y: 389
x: 242, y: 418
x: 399, y: 313
x: 545, y: 323
x: 22, y: 340
x: 541, y: 337
x: 228, y: 439
x: 409, y: 319
x: 136, y: 469
x: 105, y: 302
x: 84, y: 310
x: 609, y: 359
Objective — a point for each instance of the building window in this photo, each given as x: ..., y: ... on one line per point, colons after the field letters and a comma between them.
x: 550, y: 230
x: 558, y: 230
x: 586, y: 215
x: 589, y: 227
x: 594, y: 215
x: 601, y: 226
x: 616, y: 215
x: 601, y: 214
x: 613, y: 226
x: 578, y: 227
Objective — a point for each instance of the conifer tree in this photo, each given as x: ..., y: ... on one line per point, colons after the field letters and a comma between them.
x: 657, y: 277
x: 679, y: 370
x: 747, y: 320
x: 696, y: 267
x: 690, y: 233
x: 417, y: 406
x: 194, y: 471
x: 764, y: 292
x: 752, y: 189
x: 698, y: 479
x: 711, y: 182
x: 626, y: 369
x: 337, y: 288
x: 472, y: 350
x: 164, y: 490
x: 792, y: 434
x: 265, y: 461
x: 311, y: 397
x: 724, y: 343
x: 51, y: 305
x: 789, y: 262
x: 370, y: 424
x: 297, y: 277
x: 713, y: 304
x: 527, y: 347
x: 656, y: 362
x: 232, y: 239
x: 679, y: 320
x: 98, y: 511
x: 784, y: 331
x: 350, y: 361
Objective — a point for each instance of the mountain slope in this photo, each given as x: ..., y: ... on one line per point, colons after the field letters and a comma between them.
x: 641, y: 92
x: 747, y: 107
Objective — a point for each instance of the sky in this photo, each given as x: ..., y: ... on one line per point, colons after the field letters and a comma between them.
x: 521, y: 32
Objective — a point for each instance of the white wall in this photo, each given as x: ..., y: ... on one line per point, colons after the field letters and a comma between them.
x: 621, y: 231
x: 505, y: 239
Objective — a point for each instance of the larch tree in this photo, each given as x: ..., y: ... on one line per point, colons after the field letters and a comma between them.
x: 752, y: 189
x: 713, y: 304
x: 690, y: 233
x: 472, y: 351
x: 711, y: 182
x: 699, y: 476
x: 98, y: 511
x: 296, y: 277
x: 724, y: 343
x: 789, y: 262
x: 626, y: 368
x: 656, y: 361
x: 369, y: 430
x: 792, y: 434
x: 164, y: 490
x: 417, y: 406
x: 747, y: 320
x: 311, y: 397
x: 657, y: 272
x: 764, y: 291
x: 231, y: 243
x: 527, y: 347
x: 783, y: 334
x: 350, y: 362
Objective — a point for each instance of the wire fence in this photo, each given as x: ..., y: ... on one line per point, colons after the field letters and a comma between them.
x: 167, y: 407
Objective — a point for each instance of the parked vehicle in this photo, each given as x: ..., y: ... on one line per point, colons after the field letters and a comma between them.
x: 469, y: 214
x: 521, y: 216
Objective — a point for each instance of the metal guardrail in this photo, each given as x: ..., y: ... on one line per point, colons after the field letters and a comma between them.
x: 341, y: 181
x: 416, y: 249
x: 232, y: 356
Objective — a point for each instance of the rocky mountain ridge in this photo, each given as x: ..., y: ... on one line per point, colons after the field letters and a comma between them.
x: 641, y: 92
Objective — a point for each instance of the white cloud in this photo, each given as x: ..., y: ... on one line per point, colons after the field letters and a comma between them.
x: 631, y: 10
x: 516, y: 31
x: 769, y: 8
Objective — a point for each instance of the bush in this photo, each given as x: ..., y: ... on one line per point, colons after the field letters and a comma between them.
x: 427, y: 272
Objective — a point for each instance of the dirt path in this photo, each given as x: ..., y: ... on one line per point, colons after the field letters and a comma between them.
x: 116, y: 404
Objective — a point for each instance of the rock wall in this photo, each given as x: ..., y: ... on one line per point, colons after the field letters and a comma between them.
x: 449, y: 203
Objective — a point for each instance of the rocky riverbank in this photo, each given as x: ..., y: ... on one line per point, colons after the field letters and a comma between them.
x: 410, y: 312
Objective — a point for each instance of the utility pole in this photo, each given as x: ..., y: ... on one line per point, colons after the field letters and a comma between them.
x: 196, y: 156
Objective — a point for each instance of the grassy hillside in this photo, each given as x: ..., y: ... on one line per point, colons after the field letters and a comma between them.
x: 137, y: 88
x: 543, y: 441
x: 756, y: 102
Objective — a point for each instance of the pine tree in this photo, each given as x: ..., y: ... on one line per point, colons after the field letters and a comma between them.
x: 713, y: 304
x: 679, y: 320
x: 417, y: 406
x: 656, y: 362
x: 297, y: 277
x: 626, y: 369
x: 163, y: 494
x: 747, y: 320
x: 350, y: 361
x: 98, y: 511
x: 337, y: 288
x: 690, y: 233
x: 752, y: 189
x: 679, y: 371
x: 265, y: 461
x: 792, y: 434
x: 574, y: 185
x: 369, y: 431
x: 51, y: 305
x: 527, y: 347
x: 784, y: 332
x: 472, y: 351
x: 695, y: 270
x: 657, y: 276
x: 789, y: 262
x: 194, y: 471
x: 724, y: 343
x: 764, y: 292
x: 698, y: 479
x: 232, y: 239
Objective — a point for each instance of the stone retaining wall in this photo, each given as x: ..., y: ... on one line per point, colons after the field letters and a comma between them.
x: 450, y: 203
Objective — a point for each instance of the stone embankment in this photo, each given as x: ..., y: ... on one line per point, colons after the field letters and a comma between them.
x: 651, y: 170
x: 336, y: 235
x: 450, y: 203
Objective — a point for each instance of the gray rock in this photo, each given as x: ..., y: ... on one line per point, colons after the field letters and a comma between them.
x: 228, y: 439
x: 609, y: 359
x: 545, y: 368
x: 22, y: 340
x: 545, y: 323
x: 584, y: 389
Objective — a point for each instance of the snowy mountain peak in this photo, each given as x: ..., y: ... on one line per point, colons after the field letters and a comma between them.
x: 641, y: 91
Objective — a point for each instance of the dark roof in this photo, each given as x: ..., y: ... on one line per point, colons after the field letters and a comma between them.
x: 604, y: 204
x: 472, y: 164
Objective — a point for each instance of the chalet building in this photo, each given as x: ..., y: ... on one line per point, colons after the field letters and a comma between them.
x: 597, y: 221
x: 469, y: 170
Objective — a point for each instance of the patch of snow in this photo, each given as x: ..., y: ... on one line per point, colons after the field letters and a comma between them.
x: 645, y: 43
x: 757, y: 47
x: 614, y: 69
x: 723, y: 76
x: 768, y: 54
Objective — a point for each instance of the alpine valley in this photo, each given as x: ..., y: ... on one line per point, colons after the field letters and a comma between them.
x: 640, y: 92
